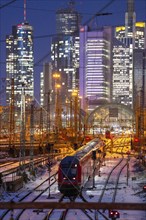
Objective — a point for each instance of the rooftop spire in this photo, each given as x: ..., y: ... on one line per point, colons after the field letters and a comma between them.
x: 24, y: 11
x: 130, y: 18
x: 71, y: 4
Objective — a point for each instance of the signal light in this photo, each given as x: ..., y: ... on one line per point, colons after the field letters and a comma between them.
x: 113, y: 214
x: 144, y: 188
x: 136, y: 140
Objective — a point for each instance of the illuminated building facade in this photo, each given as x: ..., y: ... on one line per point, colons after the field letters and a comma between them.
x: 122, y: 73
x: 65, y: 59
x: 67, y: 20
x: 123, y: 63
x: 65, y: 49
x: 45, y: 84
x: 95, y: 67
x: 139, y: 93
x: 20, y: 63
x: 139, y: 77
x: 128, y: 38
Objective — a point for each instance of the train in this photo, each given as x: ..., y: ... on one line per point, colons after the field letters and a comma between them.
x: 75, y: 170
x: 108, y: 134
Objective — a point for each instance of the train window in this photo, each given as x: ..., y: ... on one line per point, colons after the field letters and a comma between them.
x: 73, y: 171
x: 69, y: 173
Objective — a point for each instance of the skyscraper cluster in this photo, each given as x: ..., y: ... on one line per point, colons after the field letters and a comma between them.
x: 105, y: 65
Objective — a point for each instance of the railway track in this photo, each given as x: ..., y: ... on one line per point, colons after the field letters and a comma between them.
x: 31, y: 195
x: 66, y: 214
x: 52, y: 214
x: 13, y: 167
x: 3, y: 165
x: 110, y: 184
x: 118, y: 168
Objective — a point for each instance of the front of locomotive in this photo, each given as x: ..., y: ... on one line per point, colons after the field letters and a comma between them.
x: 69, y: 176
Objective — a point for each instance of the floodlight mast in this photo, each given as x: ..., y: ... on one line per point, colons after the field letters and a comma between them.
x: 22, y: 132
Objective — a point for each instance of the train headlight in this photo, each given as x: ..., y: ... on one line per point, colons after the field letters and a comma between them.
x: 114, y: 214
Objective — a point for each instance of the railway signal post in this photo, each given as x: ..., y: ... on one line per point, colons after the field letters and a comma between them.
x: 94, y: 167
x: 49, y: 170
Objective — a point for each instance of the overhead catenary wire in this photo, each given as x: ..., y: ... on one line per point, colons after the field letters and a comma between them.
x: 7, y: 4
x: 52, y: 35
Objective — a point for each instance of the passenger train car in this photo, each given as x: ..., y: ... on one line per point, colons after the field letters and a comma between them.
x: 74, y: 171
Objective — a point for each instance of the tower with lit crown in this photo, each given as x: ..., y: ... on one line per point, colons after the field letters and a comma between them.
x: 65, y: 48
x: 20, y: 61
x: 127, y: 38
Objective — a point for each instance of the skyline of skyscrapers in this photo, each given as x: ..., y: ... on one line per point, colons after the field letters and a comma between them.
x: 105, y: 61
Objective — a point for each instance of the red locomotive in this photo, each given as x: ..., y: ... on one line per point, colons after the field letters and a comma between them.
x: 74, y: 171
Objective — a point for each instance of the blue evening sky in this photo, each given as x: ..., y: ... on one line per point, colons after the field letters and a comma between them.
x: 41, y: 15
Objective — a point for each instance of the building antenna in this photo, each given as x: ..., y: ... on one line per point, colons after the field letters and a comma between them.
x: 71, y: 4
x: 24, y: 11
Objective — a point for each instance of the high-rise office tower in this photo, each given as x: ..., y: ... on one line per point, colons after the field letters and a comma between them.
x: 139, y: 77
x: 45, y: 85
x: 139, y: 92
x: 67, y: 20
x: 130, y: 19
x: 65, y: 49
x: 128, y: 37
x: 20, y: 63
x: 95, y: 66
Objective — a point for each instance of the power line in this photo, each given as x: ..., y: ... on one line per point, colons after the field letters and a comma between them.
x: 100, y: 12
x: 7, y: 4
x: 39, y: 61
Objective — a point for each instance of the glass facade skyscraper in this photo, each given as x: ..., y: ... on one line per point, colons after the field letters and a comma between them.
x: 45, y: 84
x: 95, y: 66
x: 65, y: 49
x: 139, y: 77
x: 20, y: 62
x: 123, y: 62
x: 67, y: 20
x: 128, y: 38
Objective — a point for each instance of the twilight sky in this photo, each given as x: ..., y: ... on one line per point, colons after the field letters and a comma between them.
x: 41, y: 15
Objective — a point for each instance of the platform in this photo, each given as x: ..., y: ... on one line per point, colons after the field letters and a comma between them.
x: 14, y: 183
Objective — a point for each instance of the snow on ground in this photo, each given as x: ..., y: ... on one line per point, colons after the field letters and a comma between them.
x: 129, y: 191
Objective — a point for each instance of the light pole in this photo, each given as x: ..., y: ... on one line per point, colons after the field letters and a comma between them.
x: 41, y: 131
x: 94, y: 167
x: 80, y: 124
x: 75, y: 95
x: 58, y: 123
x: 31, y: 136
x: 22, y: 132
x: 49, y: 170
x: 48, y: 118
x: 12, y: 120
